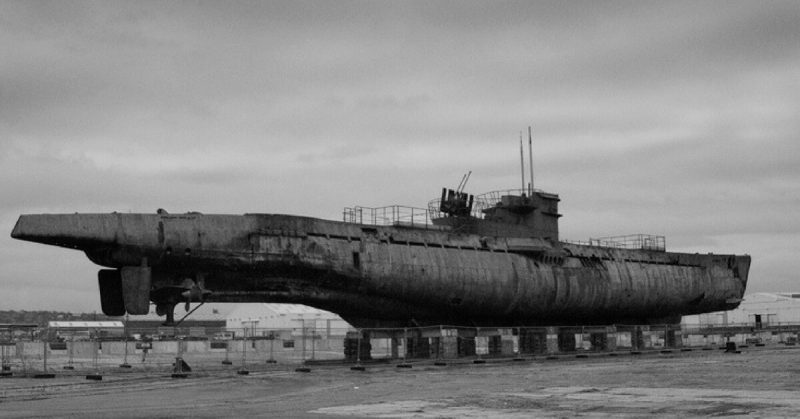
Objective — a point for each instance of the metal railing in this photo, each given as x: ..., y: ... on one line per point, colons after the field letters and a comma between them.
x: 631, y: 241
x: 749, y: 327
x: 393, y: 215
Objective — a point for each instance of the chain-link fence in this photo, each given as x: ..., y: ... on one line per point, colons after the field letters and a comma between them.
x: 48, y: 351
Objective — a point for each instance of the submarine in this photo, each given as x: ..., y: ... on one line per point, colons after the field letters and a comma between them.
x: 493, y: 259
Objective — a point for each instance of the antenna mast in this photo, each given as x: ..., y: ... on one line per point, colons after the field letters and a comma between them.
x: 530, y: 151
x: 464, y: 181
x: 458, y: 189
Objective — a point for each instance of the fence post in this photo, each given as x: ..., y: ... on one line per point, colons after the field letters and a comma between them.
x: 95, y: 349
x: 303, y: 337
x: 313, y: 339
x: 405, y: 364
x: 405, y: 345
x: 44, y: 356
x: 440, y: 348
x: 479, y: 359
x: 518, y: 350
x: 227, y: 360
x: 44, y: 373
x: 358, y: 366
x: 358, y: 347
x: 70, y: 352
x: 303, y: 360
x: 125, y: 363
x: 5, y: 368
x: 243, y: 370
x: 271, y: 359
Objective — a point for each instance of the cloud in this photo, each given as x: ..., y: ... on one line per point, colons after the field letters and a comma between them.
x: 674, y: 118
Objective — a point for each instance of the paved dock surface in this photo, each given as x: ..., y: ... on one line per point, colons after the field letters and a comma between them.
x: 762, y: 382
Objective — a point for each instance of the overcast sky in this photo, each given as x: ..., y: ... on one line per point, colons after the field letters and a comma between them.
x: 672, y: 118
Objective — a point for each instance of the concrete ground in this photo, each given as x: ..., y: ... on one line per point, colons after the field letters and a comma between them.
x: 759, y: 382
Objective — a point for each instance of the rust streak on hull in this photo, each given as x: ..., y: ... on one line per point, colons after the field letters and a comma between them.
x: 391, y: 275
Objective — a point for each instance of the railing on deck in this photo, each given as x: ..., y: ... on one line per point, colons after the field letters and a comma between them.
x: 632, y: 241
x: 396, y: 215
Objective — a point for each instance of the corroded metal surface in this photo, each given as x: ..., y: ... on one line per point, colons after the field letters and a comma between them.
x: 395, y: 275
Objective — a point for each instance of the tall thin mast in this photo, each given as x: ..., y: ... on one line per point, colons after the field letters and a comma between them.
x: 458, y: 189
x: 530, y: 151
x: 522, y: 162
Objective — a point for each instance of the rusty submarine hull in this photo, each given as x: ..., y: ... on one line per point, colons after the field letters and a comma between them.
x: 487, y: 260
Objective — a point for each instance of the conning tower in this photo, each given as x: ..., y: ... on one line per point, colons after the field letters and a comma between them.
x: 525, y: 212
x: 510, y: 213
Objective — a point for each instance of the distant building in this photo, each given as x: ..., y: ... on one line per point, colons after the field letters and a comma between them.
x: 261, y: 319
x: 15, y: 331
x: 756, y: 310
x: 206, y: 320
x: 81, y: 330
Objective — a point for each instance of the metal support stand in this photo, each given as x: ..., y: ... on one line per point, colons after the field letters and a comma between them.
x: 180, y: 369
